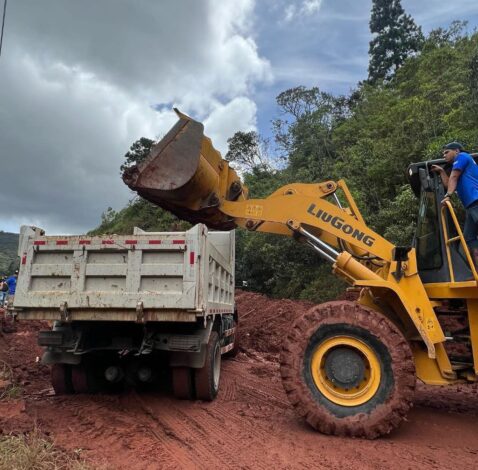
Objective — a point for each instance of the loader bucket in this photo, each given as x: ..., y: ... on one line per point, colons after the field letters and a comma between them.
x: 186, y: 175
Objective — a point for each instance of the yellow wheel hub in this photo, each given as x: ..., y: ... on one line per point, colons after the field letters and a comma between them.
x: 346, y: 370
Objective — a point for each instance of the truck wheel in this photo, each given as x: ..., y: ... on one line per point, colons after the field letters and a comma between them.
x: 207, y: 378
x: 183, y: 383
x: 61, y: 379
x: 348, y: 370
x: 79, y: 379
x: 86, y: 378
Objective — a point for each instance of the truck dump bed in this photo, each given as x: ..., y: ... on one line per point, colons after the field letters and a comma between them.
x: 162, y: 276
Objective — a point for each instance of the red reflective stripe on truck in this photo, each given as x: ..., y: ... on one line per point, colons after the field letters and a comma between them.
x: 191, y: 257
x: 179, y: 242
x: 39, y: 242
x: 62, y: 242
x: 107, y: 242
x: 154, y: 242
x: 85, y: 242
x: 131, y: 242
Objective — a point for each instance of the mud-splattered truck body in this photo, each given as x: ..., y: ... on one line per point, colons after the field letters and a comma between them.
x: 121, y: 305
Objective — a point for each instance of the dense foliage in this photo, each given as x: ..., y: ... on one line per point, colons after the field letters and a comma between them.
x: 396, y: 37
x: 8, y: 253
x: 367, y: 138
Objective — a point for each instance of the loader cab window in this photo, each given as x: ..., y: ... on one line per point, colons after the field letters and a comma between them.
x: 427, y: 238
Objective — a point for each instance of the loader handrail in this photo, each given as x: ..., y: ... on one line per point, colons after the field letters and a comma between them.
x: 460, y: 238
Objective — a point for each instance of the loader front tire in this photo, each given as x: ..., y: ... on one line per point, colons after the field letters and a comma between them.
x: 348, y: 370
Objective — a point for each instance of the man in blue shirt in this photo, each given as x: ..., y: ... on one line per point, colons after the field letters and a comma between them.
x: 464, y: 180
x: 12, y: 283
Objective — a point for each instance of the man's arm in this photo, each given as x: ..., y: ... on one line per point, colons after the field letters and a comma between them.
x: 444, y: 177
x: 452, y: 181
x: 451, y: 185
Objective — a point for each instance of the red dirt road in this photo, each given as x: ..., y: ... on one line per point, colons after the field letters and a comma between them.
x: 250, y: 426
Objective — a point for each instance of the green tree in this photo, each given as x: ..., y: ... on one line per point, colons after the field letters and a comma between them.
x: 428, y: 102
x: 138, y: 151
x: 247, y: 151
x: 397, y: 37
x: 139, y: 213
x: 304, y: 131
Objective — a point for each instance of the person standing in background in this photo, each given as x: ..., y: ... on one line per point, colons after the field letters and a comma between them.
x: 12, y: 284
x: 3, y: 290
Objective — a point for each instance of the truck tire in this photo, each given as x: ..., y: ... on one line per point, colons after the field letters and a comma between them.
x: 86, y: 378
x: 183, y: 383
x: 61, y: 379
x: 206, y: 379
x: 348, y: 370
x: 79, y: 379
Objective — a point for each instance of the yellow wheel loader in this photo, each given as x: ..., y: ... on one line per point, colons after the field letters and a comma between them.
x: 348, y: 368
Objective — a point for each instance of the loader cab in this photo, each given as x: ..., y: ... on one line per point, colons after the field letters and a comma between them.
x: 441, y: 255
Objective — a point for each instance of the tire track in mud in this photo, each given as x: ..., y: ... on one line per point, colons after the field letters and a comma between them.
x: 204, y: 430
x: 261, y: 389
x: 176, y: 450
x: 189, y: 435
x: 218, y: 430
x: 109, y: 426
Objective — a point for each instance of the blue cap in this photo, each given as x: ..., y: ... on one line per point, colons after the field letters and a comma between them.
x: 453, y: 146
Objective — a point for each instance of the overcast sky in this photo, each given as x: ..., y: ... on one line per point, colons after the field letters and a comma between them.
x: 80, y: 81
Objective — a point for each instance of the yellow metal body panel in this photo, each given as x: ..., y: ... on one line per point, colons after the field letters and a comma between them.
x: 428, y: 370
x: 473, y: 323
x: 452, y: 290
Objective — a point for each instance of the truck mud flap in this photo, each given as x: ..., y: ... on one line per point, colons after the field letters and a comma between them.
x: 52, y: 357
x: 197, y: 358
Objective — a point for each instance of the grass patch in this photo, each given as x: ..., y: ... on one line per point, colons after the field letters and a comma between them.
x: 10, y: 389
x: 33, y: 452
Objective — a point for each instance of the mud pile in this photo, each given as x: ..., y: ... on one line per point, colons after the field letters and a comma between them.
x: 263, y: 322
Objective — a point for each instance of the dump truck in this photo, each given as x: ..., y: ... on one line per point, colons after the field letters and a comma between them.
x: 349, y: 368
x: 126, y: 308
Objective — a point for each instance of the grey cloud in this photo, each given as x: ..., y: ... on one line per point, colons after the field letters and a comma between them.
x: 78, y: 81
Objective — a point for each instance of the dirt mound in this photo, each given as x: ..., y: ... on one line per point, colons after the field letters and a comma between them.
x: 20, y: 350
x: 264, y: 322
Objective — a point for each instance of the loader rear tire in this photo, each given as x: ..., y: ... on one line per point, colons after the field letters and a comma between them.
x: 206, y: 379
x: 348, y: 370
